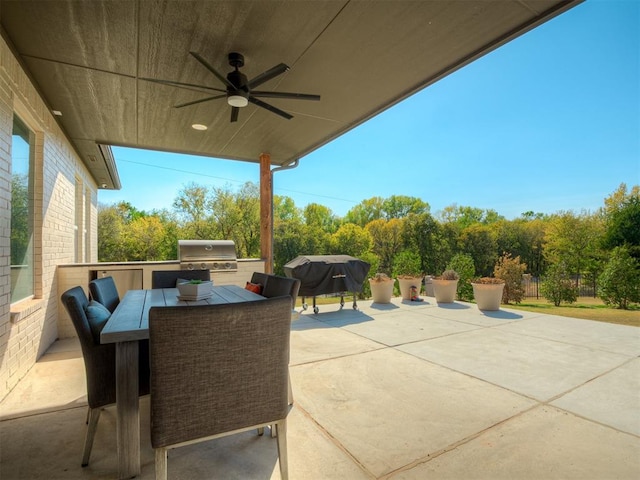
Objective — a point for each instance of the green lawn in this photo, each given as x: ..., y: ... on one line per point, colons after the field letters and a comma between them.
x: 588, y: 308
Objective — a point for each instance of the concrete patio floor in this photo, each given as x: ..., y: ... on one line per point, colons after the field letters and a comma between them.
x: 410, y: 390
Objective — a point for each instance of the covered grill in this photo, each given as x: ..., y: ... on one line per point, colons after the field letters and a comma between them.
x: 214, y: 255
x: 325, y: 274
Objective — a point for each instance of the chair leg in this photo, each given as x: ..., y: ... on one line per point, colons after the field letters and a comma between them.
x: 260, y: 431
x: 274, y: 432
x: 161, y: 463
x: 281, y: 427
x: 290, y: 395
x: 92, y: 420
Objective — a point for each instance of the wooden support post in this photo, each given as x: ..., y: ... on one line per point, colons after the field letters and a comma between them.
x: 266, y: 212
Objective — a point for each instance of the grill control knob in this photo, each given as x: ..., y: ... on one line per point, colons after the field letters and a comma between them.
x: 203, y: 266
x: 227, y: 265
x: 215, y: 266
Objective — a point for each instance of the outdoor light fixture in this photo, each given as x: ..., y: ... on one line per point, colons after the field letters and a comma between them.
x: 198, y: 126
x: 237, y: 100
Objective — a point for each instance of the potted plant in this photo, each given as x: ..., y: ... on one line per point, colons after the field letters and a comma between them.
x: 409, y: 274
x: 381, y: 288
x: 445, y: 286
x: 195, y: 288
x: 488, y: 292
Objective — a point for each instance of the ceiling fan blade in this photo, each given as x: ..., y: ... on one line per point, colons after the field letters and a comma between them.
x: 234, y: 114
x: 268, y: 75
x: 294, y: 96
x: 199, y: 101
x: 206, y: 64
x: 187, y: 86
x: 271, y: 108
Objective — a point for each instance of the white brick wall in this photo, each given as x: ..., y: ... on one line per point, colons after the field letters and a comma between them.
x: 28, y: 328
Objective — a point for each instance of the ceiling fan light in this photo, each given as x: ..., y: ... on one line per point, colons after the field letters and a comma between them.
x: 237, y: 101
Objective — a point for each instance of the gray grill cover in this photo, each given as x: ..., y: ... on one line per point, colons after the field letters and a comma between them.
x: 323, y: 274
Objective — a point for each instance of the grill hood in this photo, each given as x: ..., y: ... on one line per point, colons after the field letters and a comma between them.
x: 216, y: 255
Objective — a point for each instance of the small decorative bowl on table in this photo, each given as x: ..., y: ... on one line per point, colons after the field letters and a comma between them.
x: 195, y: 290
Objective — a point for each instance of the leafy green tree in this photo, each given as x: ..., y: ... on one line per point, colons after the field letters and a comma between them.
x: 623, y: 227
x: 573, y: 240
x: 192, y: 208
x: 522, y: 238
x: 144, y: 239
x: 287, y: 245
x: 351, y: 239
x: 285, y: 210
x: 533, y: 255
x: 619, y: 283
x: 111, y: 228
x: 619, y: 198
x: 445, y: 245
x: 531, y: 215
x: 557, y: 286
x: 365, y: 212
x: 169, y: 242
x: 191, y: 203
x: 248, y: 205
x: 478, y: 241
x: 225, y: 215
x: 466, y: 216
x: 407, y: 262
x: 399, y: 206
x: 320, y: 216
x: 386, y: 241
x: 511, y: 270
x: 421, y: 232
x: 464, y: 266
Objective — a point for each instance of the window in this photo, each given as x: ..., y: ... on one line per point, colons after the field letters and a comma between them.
x: 22, y: 196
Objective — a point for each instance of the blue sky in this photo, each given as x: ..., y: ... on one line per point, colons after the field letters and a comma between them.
x: 548, y: 122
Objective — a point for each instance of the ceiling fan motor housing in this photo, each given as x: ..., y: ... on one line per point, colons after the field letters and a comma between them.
x: 236, y: 60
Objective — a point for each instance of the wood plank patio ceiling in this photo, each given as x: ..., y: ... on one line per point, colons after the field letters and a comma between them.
x: 88, y: 60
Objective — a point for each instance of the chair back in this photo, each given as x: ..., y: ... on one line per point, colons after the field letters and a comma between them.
x: 276, y: 286
x: 168, y: 278
x: 259, y: 277
x: 104, y: 290
x: 99, y: 360
x: 217, y: 368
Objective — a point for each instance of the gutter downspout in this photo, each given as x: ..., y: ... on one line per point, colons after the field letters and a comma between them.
x: 291, y: 165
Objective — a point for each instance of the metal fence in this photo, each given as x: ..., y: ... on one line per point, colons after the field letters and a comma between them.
x: 586, y: 288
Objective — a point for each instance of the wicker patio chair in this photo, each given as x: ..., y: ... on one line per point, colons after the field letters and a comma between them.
x: 238, y: 357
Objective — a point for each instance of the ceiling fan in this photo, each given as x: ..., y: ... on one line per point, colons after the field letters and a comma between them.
x: 239, y: 91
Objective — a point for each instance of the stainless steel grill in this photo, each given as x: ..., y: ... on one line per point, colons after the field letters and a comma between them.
x: 214, y: 255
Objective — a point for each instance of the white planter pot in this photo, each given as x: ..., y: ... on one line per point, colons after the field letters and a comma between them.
x: 406, y: 284
x: 488, y: 296
x: 381, y: 291
x: 444, y: 290
x: 195, y: 289
x: 428, y: 286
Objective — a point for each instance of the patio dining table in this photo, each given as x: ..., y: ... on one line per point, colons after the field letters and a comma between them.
x: 129, y: 324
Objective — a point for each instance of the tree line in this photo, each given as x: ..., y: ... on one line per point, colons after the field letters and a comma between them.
x: 395, y: 235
